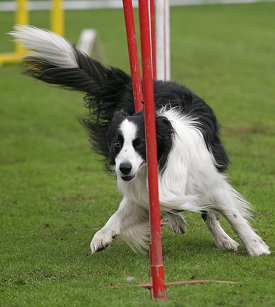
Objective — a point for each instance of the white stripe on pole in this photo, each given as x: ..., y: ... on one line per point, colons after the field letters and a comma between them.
x: 162, y: 39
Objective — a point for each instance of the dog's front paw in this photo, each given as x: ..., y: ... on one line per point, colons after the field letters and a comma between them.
x: 101, y: 240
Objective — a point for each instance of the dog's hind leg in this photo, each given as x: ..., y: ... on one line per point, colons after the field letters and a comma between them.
x: 130, y: 221
x: 236, y: 210
x: 175, y: 221
x: 222, y: 239
x: 254, y: 245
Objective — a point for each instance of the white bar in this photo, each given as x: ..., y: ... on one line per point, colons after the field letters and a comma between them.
x: 167, y: 41
x: 160, y: 48
x: 162, y: 39
x: 6, y: 6
x: 68, y: 5
x: 87, y: 40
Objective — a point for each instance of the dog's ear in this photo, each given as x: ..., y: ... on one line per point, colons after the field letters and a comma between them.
x: 119, y: 116
x: 165, y: 133
x: 164, y: 127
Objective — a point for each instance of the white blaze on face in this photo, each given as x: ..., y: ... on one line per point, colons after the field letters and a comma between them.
x: 128, y: 153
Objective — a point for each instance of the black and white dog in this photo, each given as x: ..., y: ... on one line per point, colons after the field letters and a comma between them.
x: 191, y: 158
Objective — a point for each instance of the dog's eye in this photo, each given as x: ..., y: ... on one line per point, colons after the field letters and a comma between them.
x: 117, y: 144
x: 136, y: 142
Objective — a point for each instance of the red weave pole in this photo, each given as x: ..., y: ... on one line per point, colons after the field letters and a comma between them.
x: 157, y: 268
x: 133, y: 53
x: 153, y: 38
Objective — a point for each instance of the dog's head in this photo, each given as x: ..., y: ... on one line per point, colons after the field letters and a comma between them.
x: 127, y: 146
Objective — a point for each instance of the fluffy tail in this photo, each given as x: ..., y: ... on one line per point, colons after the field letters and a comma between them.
x: 53, y: 59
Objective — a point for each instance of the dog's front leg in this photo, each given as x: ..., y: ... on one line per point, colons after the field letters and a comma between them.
x: 105, y: 235
x: 130, y: 221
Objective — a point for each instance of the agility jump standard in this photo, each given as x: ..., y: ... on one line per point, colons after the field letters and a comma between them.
x: 22, y: 18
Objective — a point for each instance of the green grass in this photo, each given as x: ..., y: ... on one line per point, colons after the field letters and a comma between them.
x: 54, y: 193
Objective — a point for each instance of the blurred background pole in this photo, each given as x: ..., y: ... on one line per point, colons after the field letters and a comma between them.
x: 22, y: 18
x: 57, y: 17
x: 162, y: 9
x: 153, y: 37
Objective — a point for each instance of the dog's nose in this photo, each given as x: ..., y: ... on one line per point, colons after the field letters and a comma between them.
x: 125, y: 168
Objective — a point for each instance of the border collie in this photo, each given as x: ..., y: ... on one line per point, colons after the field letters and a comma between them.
x: 191, y: 157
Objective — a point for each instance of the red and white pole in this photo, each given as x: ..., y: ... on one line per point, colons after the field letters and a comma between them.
x: 157, y: 268
x: 148, y: 53
x: 149, y: 58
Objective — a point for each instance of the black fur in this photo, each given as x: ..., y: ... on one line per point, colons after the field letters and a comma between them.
x: 109, y: 100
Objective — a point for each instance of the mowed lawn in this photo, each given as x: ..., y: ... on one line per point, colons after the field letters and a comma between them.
x: 55, y: 193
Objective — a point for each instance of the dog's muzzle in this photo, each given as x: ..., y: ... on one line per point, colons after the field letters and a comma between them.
x: 125, y: 170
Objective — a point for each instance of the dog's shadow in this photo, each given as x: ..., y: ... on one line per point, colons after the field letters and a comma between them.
x: 175, y: 246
